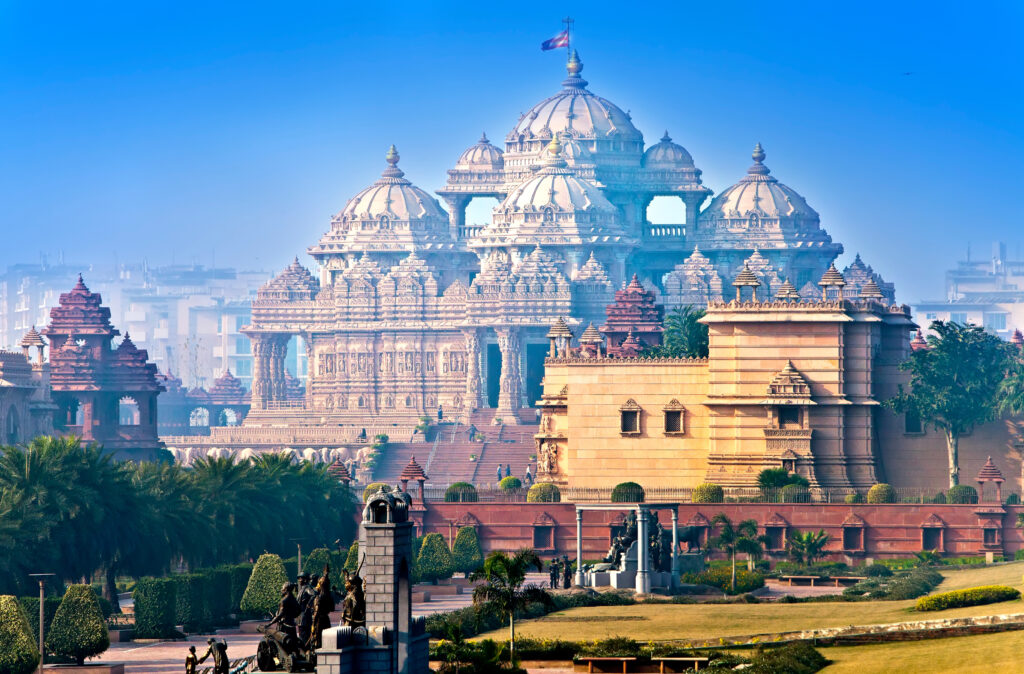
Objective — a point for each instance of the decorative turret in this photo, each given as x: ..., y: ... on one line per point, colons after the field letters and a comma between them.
x: 870, y: 290
x: 788, y: 292
x: 1017, y: 339
x: 591, y: 342
x: 560, y: 336
x: 635, y: 313
x: 340, y: 471
x: 413, y: 471
x: 918, y: 342
x: 990, y: 473
x: 746, y: 279
x: 832, y: 279
x: 33, y: 338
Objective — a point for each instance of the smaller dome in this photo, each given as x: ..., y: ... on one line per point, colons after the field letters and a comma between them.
x: 392, y: 197
x: 667, y: 155
x: 482, y: 156
x: 556, y: 186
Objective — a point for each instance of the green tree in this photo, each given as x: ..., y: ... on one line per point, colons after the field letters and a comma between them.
x: 771, y: 481
x: 505, y: 588
x: 510, y: 483
x: 733, y: 539
x: 78, y: 630
x: 352, y: 558
x: 460, y: 492
x: 18, y: 651
x: 466, y: 552
x: 955, y: 383
x: 435, y: 559
x: 263, y: 593
x: 316, y: 560
x: 1011, y: 389
x: 808, y: 547
x: 684, y: 335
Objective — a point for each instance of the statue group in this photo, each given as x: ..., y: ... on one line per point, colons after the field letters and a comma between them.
x: 293, y: 635
x: 659, y: 543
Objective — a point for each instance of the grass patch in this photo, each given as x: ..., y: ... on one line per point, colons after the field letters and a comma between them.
x: 978, y: 654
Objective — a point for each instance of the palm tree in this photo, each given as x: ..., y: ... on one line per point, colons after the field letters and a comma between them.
x: 684, y: 335
x: 807, y: 548
x: 1011, y: 390
x: 742, y: 537
x: 505, y: 587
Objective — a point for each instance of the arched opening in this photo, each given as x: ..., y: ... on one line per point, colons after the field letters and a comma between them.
x: 70, y: 412
x: 479, y: 210
x: 227, y: 417
x: 199, y: 417
x: 128, y: 412
x: 295, y: 360
x: 12, y: 429
x: 665, y: 210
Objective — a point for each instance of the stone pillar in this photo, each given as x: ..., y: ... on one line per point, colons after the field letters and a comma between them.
x: 643, y: 544
x: 510, y: 384
x: 579, y: 547
x: 260, y: 390
x: 456, y: 212
x: 675, y: 547
x: 691, y: 215
x: 277, y: 349
x: 472, y: 369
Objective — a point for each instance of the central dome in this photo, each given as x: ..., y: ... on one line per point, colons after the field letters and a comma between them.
x: 574, y: 111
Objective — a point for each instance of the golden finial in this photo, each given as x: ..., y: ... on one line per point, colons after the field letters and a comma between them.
x: 554, y: 147
x: 575, y: 65
x: 392, y: 156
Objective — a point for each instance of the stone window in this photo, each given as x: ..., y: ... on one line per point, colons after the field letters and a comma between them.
x: 629, y: 418
x: 361, y: 402
x: 776, y: 538
x: 853, y: 538
x: 991, y: 536
x: 408, y: 401
x: 675, y: 422
x: 931, y: 539
x: 790, y: 416
x: 543, y: 538
x: 912, y: 424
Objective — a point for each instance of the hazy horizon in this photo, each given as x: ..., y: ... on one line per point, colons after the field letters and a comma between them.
x: 230, y: 134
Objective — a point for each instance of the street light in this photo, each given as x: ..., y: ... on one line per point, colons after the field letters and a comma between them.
x: 41, y: 577
x: 298, y: 544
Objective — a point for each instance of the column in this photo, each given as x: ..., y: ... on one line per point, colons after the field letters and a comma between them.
x: 643, y: 544
x: 509, y: 382
x: 675, y: 547
x: 472, y: 369
x: 456, y: 212
x: 579, y: 547
x: 259, y: 387
x: 276, y: 353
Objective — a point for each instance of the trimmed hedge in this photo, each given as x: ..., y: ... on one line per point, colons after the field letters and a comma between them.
x: 855, y: 497
x: 467, y: 555
x: 628, y: 492
x: 239, y: 581
x: 79, y: 630
x: 315, y: 562
x: 217, y: 606
x: 31, y: 608
x: 544, y: 492
x: 373, y: 487
x: 263, y: 593
x: 435, y: 560
x: 510, y: 483
x: 352, y: 558
x: 721, y: 577
x: 972, y: 596
x: 882, y: 493
x: 707, y: 493
x: 155, y: 607
x: 962, y: 493
x: 18, y: 651
x: 909, y: 584
x: 188, y: 601
x: 461, y: 492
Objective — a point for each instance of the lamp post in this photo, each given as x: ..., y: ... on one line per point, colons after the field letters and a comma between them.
x: 41, y: 577
x: 298, y: 544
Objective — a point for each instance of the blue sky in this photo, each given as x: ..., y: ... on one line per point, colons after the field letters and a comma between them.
x: 189, y: 131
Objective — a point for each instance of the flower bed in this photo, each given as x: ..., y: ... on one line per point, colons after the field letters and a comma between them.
x: 973, y: 596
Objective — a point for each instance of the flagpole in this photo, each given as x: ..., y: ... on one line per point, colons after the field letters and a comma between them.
x: 568, y: 37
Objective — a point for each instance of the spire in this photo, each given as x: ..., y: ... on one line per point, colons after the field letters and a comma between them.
x: 412, y: 471
x: 832, y: 277
x: 666, y: 138
x: 788, y: 291
x: 746, y: 278
x: 392, y: 174
x: 483, y: 138
x: 918, y: 342
x: 1017, y: 339
x: 553, y: 158
x: 870, y: 290
x: 758, y: 167
x: 591, y: 336
x: 574, y: 67
x: 989, y: 473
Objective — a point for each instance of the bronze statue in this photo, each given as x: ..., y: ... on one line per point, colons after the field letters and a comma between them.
x: 553, y: 573
x: 191, y: 661
x: 306, y: 598
x: 287, y: 610
x: 566, y: 572
x: 219, y: 651
x: 322, y: 607
x: 354, y: 606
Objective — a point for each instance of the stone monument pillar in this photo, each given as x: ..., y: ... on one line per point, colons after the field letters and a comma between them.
x: 510, y: 385
x: 472, y: 369
x: 643, y: 549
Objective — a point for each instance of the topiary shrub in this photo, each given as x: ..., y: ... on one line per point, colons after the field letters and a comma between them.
x: 962, y: 493
x: 855, y: 497
x: 352, y: 558
x: 263, y: 593
x: 939, y: 498
x: 316, y: 560
x: 188, y: 602
x: 461, y: 492
x: 707, y: 493
x: 467, y: 555
x: 628, y: 492
x: 795, y: 493
x: 18, y: 651
x: 31, y: 607
x: 239, y: 581
x: 510, y: 483
x: 373, y: 487
x: 544, y: 492
x: 78, y: 631
x: 435, y: 560
x: 877, y: 571
x: 974, y: 596
x: 154, y: 608
x: 882, y: 493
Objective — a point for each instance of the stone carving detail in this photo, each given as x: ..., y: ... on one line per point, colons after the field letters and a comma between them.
x: 547, y: 459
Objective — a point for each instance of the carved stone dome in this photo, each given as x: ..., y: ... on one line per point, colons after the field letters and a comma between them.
x: 392, y: 197
x: 482, y: 155
x: 556, y: 187
x: 667, y: 155
x: 757, y: 196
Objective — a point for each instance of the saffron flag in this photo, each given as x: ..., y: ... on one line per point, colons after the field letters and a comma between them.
x: 558, y: 41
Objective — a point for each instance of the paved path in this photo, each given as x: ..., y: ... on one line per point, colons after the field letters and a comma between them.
x: 168, y: 657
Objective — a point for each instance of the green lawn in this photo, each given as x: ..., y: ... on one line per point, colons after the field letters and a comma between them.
x: 668, y: 622
x: 982, y: 653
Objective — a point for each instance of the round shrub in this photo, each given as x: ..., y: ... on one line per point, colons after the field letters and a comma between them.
x: 877, y: 571
x: 18, y: 651
x: 263, y: 593
x: 155, y: 604
x: 352, y: 558
x: 544, y: 492
x: 372, y: 489
x: 628, y: 492
x: 315, y: 562
x: 795, y: 493
x: 855, y: 497
x: 939, y: 498
x: 466, y: 552
x: 707, y: 493
x: 510, y: 483
x: 962, y: 493
x: 78, y: 631
x: 460, y: 492
x: 882, y: 493
x: 435, y: 560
